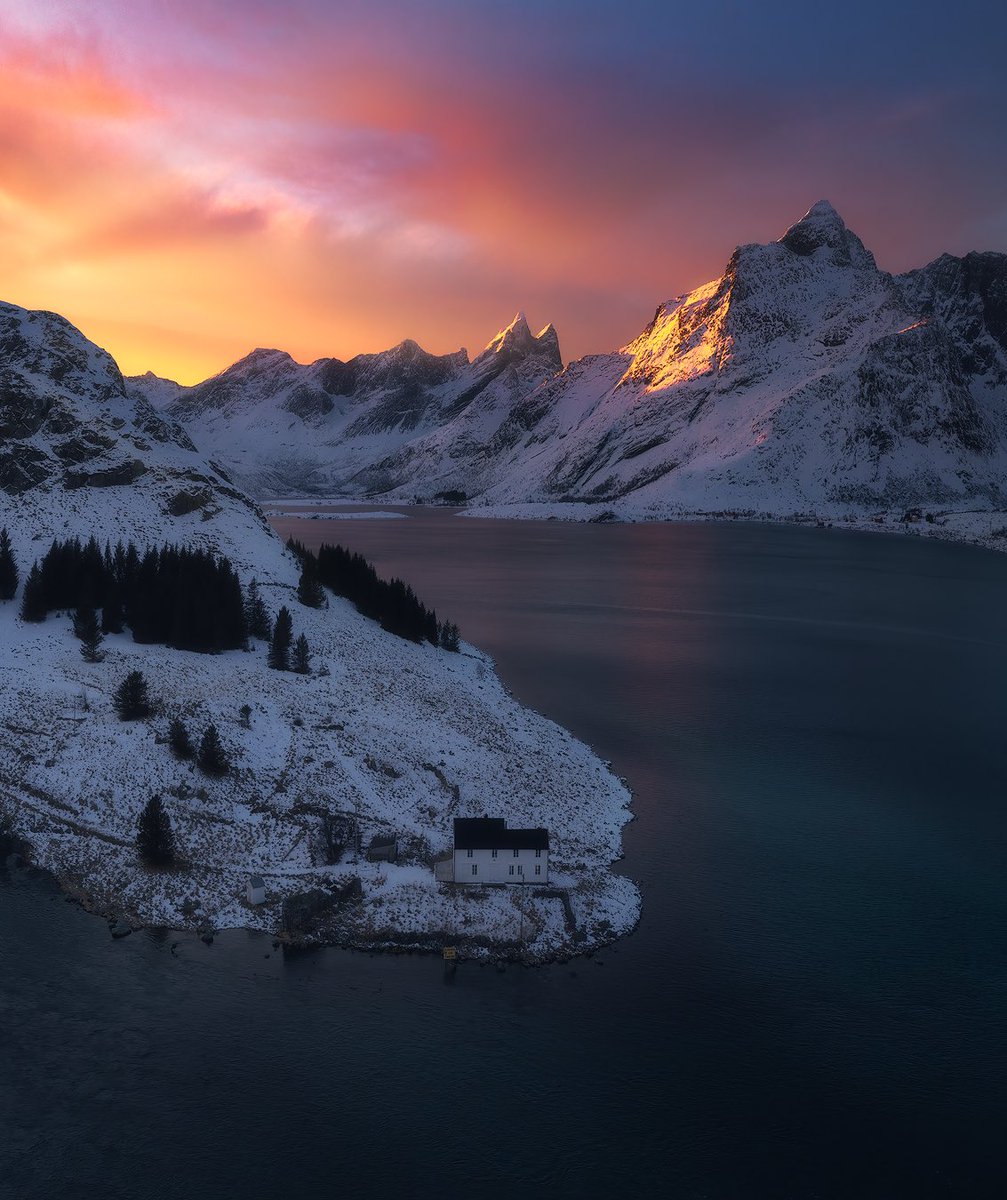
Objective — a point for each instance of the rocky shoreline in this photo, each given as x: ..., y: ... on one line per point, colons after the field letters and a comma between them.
x: 320, y: 933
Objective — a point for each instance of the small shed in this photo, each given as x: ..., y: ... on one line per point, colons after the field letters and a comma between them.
x: 383, y: 848
x: 255, y: 890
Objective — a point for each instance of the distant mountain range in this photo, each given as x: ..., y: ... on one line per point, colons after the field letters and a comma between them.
x: 803, y: 379
x: 287, y: 428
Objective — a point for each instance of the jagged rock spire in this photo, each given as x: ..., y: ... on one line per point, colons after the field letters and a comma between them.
x: 517, y: 341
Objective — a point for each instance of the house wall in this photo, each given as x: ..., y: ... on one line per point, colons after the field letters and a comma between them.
x: 498, y: 869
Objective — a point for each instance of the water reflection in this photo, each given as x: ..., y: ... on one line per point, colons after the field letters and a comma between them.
x: 812, y: 1005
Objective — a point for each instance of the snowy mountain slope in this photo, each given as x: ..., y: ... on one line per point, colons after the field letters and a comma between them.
x: 804, y: 379
x: 79, y: 452
x: 397, y: 737
x: 284, y: 427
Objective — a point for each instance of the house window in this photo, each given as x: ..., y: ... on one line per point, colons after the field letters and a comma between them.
x: 538, y: 870
x: 510, y: 870
x: 475, y: 868
x: 469, y: 853
x: 520, y: 870
x: 516, y: 853
x: 494, y: 853
x: 538, y: 853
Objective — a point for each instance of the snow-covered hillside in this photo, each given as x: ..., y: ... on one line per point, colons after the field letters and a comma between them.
x: 398, y: 737
x: 282, y: 427
x: 80, y: 454
x: 804, y: 380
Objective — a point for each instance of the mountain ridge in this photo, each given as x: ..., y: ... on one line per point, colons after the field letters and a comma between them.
x: 338, y: 408
x: 804, y: 378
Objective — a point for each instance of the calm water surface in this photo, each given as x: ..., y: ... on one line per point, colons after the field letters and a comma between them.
x: 813, y: 1006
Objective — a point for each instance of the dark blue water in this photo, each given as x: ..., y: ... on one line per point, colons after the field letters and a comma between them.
x: 815, y: 1003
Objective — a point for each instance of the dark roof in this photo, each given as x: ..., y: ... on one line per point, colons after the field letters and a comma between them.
x: 491, y: 833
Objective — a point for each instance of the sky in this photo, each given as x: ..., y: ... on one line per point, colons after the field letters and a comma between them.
x: 188, y: 180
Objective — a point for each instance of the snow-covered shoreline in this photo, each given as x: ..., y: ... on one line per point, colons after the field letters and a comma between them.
x: 983, y: 528
x: 986, y: 529
x: 381, y: 736
x: 401, y: 754
x: 365, y: 515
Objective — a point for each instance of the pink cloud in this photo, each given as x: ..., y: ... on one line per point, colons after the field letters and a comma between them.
x: 333, y: 185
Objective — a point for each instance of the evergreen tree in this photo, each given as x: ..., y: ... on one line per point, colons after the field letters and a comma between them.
x: 449, y: 637
x: 8, y: 568
x: 256, y: 616
x: 178, y: 739
x: 85, y: 627
x: 154, y: 838
x: 279, y: 646
x: 212, y: 759
x: 301, y: 661
x: 132, y: 700
x: 309, y: 591
x: 33, y: 606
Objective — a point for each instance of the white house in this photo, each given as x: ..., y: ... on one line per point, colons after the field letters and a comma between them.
x: 255, y: 890
x: 486, y: 851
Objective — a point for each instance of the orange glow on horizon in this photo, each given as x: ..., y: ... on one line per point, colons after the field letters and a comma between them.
x: 202, y: 179
x: 179, y: 250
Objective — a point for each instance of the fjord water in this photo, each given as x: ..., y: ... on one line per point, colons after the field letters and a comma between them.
x: 813, y: 1005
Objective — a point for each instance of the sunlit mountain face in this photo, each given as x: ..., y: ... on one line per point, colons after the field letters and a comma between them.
x: 803, y: 379
x: 186, y: 182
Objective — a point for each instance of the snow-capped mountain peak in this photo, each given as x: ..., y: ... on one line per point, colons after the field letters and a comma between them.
x: 517, y: 341
x: 516, y: 334
x: 263, y: 355
x: 823, y: 233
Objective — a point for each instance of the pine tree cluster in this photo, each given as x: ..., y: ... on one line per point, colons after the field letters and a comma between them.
x: 309, y: 591
x: 173, y: 596
x: 211, y: 758
x: 392, y: 603
x: 450, y: 639
x: 179, y: 740
x: 286, y: 654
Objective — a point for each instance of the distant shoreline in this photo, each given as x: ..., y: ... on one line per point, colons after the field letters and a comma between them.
x: 983, y: 528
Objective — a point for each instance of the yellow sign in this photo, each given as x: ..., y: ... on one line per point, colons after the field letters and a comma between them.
x: 449, y: 952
